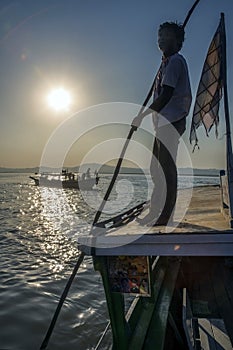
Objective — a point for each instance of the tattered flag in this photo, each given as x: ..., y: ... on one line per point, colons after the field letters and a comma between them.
x: 209, y: 91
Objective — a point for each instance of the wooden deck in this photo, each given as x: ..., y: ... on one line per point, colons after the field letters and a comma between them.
x: 204, y: 230
x: 209, y: 284
x: 203, y: 245
x: 204, y: 214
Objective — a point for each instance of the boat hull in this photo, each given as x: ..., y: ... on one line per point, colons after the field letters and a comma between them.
x: 84, y: 185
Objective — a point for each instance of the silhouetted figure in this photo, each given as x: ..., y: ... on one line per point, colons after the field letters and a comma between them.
x: 172, y: 99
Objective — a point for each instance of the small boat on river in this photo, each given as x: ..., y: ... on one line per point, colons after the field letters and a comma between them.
x: 84, y: 182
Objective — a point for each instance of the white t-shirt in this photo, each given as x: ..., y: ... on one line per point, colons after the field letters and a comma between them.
x: 175, y: 74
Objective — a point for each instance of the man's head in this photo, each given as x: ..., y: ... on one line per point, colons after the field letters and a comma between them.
x: 170, y: 37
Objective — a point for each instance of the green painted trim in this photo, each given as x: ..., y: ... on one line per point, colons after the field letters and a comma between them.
x: 157, y: 331
x: 116, y: 307
x: 145, y: 308
x: 145, y: 325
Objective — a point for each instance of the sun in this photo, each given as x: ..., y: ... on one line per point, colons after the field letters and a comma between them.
x: 59, y: 99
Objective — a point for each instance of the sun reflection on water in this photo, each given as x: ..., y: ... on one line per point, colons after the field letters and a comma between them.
x: 48, y: 224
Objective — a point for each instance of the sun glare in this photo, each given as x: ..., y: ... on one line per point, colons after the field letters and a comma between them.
x: 59, y: 99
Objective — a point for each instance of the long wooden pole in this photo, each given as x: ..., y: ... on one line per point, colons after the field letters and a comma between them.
x: 98, y: 214
x: 227, y: 120
x: 190, y: 13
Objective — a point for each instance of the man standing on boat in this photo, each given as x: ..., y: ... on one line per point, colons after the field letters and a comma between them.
x: 171, y: 104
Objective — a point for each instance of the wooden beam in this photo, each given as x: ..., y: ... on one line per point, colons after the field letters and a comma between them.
x: 189, y: 244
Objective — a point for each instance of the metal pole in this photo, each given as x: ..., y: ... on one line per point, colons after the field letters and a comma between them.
x: 227, y: 120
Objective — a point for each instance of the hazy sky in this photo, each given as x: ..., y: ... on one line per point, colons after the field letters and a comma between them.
x: 100, y: 51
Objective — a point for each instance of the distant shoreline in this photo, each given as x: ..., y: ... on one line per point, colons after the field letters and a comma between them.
x: 109, y: 170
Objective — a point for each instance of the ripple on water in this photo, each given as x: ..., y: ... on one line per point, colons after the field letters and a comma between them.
x: 38, y: 253
x: 38, y: 234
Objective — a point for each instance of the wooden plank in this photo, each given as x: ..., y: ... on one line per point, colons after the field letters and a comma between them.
x: 220, y: 334
x: 203, y: 298
x: 197, y: 279
x: 203, y: 231
x: 224, y: 191
x: 214, y: 244
x: 146, y: 308
x: 157, y: 331
x: 206, y: 334
x: 223, y: 301
x: 213, y: 334
x: 187, y: 316
x: 203, y: 213
x: 226, y: 274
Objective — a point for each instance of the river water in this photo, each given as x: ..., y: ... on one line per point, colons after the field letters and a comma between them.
x: 38, y: 241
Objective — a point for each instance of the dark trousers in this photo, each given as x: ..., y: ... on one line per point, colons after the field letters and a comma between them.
x: 164, y: 171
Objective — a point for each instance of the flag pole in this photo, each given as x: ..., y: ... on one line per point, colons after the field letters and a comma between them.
x: 229, y: 164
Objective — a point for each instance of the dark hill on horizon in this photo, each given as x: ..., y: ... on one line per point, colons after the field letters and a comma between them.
x: 107, y: 169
